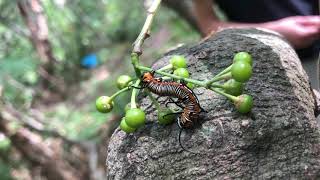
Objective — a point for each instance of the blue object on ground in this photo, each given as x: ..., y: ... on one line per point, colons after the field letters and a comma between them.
x: 89, y: 61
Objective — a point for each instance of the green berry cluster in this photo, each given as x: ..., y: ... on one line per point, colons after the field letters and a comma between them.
x: 241, y: 72
x: 229, y: 82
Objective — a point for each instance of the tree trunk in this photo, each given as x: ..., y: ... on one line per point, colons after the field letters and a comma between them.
x: 36, y: 151
x: 32, y: 13
x: 278, y: 139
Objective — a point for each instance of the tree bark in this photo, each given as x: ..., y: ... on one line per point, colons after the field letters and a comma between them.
x: 33, y: 149
x: 37, y: 152
x: 278, y: 139
x: 32, y: 13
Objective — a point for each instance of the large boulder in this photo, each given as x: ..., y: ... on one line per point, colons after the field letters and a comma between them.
x: 279, y: 139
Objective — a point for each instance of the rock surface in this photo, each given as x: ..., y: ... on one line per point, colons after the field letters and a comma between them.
x: 279, y: 139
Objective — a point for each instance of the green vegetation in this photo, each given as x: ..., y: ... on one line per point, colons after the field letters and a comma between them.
x: 51, y: 74
x: 63, y: 104
x: 228, y: 82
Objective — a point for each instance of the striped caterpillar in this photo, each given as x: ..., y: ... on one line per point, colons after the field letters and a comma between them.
x: 190, y: 103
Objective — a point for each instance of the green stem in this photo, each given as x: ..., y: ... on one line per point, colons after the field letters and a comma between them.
x: 154, y: 101
x: 217, y: 86
x: 226, y: 70
x: 225, y: 76
x: 119, y: 92
x: 134, y: 94
x: 232, y: 98
x: 214, y: 79
x: 135, y: 63
x: 199, y: 83
x: 166, y: 78
x: 167, y: 67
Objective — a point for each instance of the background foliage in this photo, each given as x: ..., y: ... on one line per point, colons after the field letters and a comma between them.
x: 76, y: 28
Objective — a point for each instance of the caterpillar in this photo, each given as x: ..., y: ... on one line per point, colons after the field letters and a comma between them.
x: 190, y: 103
x: 185, y: 95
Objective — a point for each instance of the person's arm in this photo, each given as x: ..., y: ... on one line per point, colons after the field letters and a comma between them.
x: 205, y: 17
x: 300, y: 31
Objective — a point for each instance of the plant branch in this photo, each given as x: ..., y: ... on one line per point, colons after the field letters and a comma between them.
x: 134, y: 94
x: 34, y: 125
x: 218, y: 76
x: 167, y: 67
x: 199, y: 83
x: 229, y: 96
x: 225, y: 76
x: 145, y: 31
x: 119, y: 92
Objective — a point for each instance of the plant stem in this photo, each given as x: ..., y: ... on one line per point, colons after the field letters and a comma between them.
x: 167, y: 67
x: 228, y: 69
x: 166, y: 78
x: 214, y: 79
x: 119, y: 92
x: 199, y: 83
x: 217, y: 86
x: 144, y: 34
x: 145, y: 31
x: 231, y: 97
x: 154, y: 101
x: 218, y: 78
x: 135, y: 63
x: 134, y: 94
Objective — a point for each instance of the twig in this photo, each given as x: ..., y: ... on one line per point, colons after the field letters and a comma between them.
x: 145, y: 31
x: 199, y: 83
x: 35, y: 125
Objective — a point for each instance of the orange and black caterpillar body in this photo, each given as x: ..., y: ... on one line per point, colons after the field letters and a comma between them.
x: 189, y: 101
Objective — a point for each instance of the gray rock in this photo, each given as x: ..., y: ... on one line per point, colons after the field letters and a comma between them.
x: 279, y: 139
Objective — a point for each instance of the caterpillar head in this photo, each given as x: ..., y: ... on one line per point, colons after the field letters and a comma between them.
x: 147, y: 77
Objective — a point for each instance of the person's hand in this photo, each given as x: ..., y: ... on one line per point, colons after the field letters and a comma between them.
x: 300, y: 31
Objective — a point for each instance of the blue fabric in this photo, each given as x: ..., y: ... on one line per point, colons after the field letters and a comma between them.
x: 257, y: 11
x: 89, y: 61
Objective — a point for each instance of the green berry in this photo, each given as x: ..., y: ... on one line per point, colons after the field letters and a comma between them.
x: 124, y: 127
x: 104, y: 104
x: 233, y: 87
x: 178, y: 62
x: 241, y: 71
x: 182, y: 72
x: 135, y: 118
x: 243, y: 56
x: 244, y: 103
x: 165, y: 116
x: 123, y: 81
